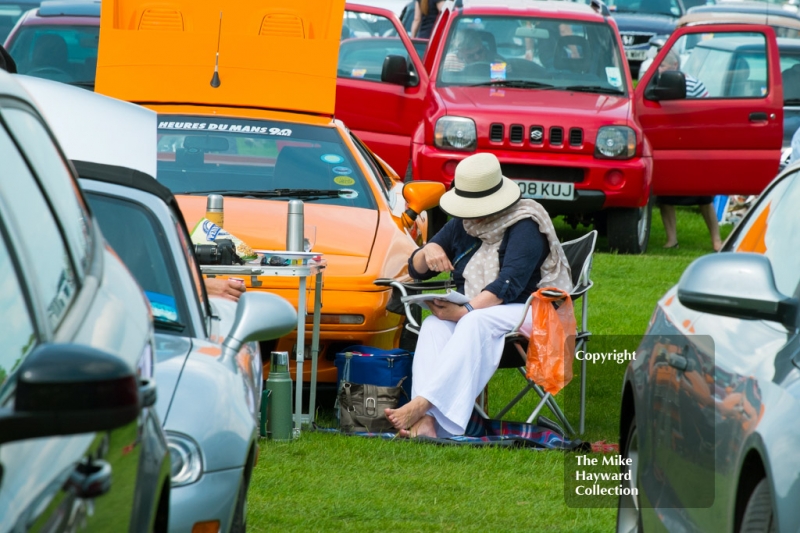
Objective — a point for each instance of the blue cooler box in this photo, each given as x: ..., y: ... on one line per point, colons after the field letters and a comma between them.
x: 374, y: 366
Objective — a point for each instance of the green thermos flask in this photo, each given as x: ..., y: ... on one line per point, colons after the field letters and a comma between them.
x: 279, y: 382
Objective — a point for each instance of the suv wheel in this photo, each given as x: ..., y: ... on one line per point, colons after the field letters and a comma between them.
x: 629, y: 229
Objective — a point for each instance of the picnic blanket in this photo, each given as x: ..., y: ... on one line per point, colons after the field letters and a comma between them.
x: 487, y: 432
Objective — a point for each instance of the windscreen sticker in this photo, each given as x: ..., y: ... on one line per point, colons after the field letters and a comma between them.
x: 342, y: 170
x: 348, y: 193
x: 498, y: 71
x: 497, y: 92
x: 613, y: 76
x: 163, y: 306
x: 333, y: 159
x: 232, y: 128
x: 344, y: 181
x: 358, y: 72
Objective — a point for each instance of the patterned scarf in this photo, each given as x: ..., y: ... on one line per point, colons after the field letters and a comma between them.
x: 484, y: 267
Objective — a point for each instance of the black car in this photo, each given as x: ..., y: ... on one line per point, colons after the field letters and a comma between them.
x: 641, y: 20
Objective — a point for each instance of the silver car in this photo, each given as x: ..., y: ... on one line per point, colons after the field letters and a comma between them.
x: 81, y: 447
x: 709, y: 408
x: 209, y: 390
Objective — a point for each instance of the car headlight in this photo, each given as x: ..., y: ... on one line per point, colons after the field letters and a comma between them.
x: 615, y: 142
x: 455, y: 133
x: 185, y: 459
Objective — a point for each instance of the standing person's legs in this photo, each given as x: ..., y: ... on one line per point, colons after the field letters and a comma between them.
x: 462, y: 368
x: 710, y: 217
x: 670, y: 224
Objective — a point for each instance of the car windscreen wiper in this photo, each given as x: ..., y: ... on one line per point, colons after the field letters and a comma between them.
x: 169, y: 325
x: 521, y: 84
x: 305, y: 194
x: 791, y: 101
x: 591, y: 89
x: 88, y: 84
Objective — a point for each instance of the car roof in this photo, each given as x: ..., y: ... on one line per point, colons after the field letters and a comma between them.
x: 739, y: 17
x: 93, y: 127
x: 64, y: 8
x: 734, y: 44
x: 530, y: 7
x: 10, y: 87
x: 747, y: 7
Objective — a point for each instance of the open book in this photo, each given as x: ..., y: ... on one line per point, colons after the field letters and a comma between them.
x: 422, y: 299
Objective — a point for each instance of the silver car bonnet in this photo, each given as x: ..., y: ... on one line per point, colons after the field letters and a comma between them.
x: 82, y: 122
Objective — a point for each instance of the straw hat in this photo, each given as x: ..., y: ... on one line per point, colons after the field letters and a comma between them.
x: 479, y: 189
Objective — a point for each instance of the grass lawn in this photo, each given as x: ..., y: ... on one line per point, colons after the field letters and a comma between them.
x: 329, y: 482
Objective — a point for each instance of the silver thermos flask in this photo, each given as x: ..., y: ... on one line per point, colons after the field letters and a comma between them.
x: 294, y: 227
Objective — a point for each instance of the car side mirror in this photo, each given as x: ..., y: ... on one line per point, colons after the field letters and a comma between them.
x: 259, y: 317
x: 739, y: 285
x: 66, y: 389
x: 669, y: 85
x: 420, y: 196
x: 395, y: 70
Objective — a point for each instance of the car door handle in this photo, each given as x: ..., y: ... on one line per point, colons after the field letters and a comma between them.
x: 147, y: 392
x: 758, y: 116
x: 677, y: 361
x: 91, y: 478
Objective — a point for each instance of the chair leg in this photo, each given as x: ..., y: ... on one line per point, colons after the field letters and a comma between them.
x: 584, y: 326
x: 535, y: 412
x: 513, y: 402
x: 480, y: 410
x: 553, y: 405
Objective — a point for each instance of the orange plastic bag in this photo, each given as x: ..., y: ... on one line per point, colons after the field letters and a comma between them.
x: 551, y: 348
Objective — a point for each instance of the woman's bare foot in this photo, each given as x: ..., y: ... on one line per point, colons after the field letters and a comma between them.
x: 425, y: 427
x: 409, y: 414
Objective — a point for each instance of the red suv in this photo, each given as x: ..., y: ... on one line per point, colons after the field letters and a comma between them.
x: 545, y: 87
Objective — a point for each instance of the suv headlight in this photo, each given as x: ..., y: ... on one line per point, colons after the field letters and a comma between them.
x: 615, y: 142
x: 185, y: 459
x: 455, y: 133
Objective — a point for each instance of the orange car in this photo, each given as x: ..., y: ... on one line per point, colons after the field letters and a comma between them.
x: 245, y: 97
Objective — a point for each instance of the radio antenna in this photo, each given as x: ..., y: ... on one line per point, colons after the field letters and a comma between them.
x: 215, y: 78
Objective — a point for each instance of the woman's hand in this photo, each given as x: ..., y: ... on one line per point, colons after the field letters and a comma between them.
x: 436, y: 259
x: 444, y: 310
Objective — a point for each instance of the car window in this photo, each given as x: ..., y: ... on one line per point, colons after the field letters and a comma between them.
x: 771, y: 229
x: 532, y: 52
x: 384, y: 180
x: 61, y: 53
x: 58, y: 182
x: 366, y: 41
x: 139, y: 241
x: 237, y: 157
x: 194, y: 269
x: 720, y: 65
x: 360, y: 25
x: 17, y: 336
x: 42, y: 245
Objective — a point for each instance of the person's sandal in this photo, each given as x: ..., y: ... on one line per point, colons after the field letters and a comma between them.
x: 673, y: 247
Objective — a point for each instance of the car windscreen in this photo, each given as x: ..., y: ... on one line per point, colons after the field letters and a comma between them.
x: 61, y: 53
x: 259, y: 159
x: 10, y: 12
x: 532, y: 52
x: 140, y: 242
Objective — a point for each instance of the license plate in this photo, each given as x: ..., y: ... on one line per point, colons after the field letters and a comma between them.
x: 636, y: 55
x: 546, y: 190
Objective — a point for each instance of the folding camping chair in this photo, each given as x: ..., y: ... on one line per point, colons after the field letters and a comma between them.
x: 579, y: 256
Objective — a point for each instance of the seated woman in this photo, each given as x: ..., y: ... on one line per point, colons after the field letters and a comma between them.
x: 499, y: 249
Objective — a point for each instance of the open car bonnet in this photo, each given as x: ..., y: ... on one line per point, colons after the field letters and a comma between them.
x: 277, y: 55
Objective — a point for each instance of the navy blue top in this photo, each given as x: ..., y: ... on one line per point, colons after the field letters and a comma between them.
x: 522, y: 252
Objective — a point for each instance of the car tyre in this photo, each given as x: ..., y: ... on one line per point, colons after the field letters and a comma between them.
x: 629, y: 229
x: 758, y: 517
x: 629, y: 511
